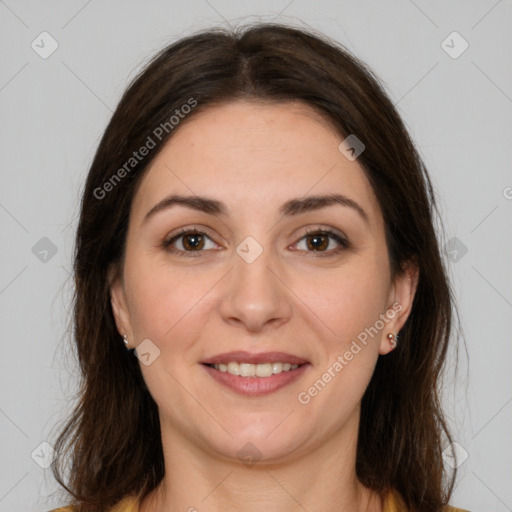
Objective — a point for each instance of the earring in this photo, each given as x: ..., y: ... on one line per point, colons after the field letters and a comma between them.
x: 392, y: 339
x: 125, y: 339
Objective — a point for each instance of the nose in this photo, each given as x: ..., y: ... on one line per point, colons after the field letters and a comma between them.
x: 255, y: 296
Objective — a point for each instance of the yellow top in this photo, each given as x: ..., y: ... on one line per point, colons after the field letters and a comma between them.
x: 392, y: 503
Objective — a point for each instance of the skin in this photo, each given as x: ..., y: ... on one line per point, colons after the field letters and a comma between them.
x: 254, y: 157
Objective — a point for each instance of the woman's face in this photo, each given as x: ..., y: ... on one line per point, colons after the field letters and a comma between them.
x: 270, y: 271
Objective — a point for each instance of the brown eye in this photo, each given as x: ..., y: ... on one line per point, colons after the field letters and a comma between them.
x: 322, y: 241
x: 193, y: 241
x: 189, y: 241
x: 318, y: 242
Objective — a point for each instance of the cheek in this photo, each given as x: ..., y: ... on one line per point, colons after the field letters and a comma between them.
x: 163, y: 300
x: 350, y: 302
x: 347, y: 300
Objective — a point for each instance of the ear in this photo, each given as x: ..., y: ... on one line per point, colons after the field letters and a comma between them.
x: 119, y: 303
x: 400, y: 301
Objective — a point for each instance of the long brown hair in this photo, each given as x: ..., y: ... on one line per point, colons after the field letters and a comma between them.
x: 111, y: 444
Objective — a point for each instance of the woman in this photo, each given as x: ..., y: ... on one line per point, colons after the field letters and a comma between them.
x: 258, y: 225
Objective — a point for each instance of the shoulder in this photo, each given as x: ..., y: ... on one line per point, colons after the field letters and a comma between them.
x: 128, y: 504
x: 393, y: 502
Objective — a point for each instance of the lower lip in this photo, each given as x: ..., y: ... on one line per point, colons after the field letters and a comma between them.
x: 256, y: 386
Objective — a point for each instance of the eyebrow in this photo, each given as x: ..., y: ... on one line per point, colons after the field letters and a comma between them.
x: 290, y: 208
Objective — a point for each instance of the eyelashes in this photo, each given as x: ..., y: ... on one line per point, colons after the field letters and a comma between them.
x: 187, y: 234
x: 194, y: 242
x: 328, y: 235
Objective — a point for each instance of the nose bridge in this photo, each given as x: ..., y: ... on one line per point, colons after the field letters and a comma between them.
x: 254, y: 295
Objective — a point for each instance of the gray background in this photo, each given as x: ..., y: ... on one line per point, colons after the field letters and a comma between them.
x: 54, y: 111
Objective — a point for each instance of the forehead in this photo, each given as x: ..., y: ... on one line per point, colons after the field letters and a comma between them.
x: 254, y: 154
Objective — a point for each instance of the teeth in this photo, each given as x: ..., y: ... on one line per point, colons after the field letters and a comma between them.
x: 233, y: 368
x: 255, y: 370
x: 247, y: 370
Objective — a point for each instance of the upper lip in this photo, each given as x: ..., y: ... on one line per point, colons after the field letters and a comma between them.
x: 247, y: 357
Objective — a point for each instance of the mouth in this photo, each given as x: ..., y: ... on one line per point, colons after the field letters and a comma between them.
x: 254, y: 370
x: 255, y: 374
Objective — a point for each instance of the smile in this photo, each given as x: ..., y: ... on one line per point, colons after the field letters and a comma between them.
x: 254, y: 370
x: 255, y: 379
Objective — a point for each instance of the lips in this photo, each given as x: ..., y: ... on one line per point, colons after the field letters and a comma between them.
x: 256, y: 386
x: 247, y: 357
x: 255, y: 374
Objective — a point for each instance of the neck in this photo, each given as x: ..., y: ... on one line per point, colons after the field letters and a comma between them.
x: 322, y: 480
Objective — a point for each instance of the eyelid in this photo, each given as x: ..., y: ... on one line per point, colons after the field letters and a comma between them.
x: 328, y: 231
x: 185, y: 231
x: 332, y: 234
x: 181, y: 232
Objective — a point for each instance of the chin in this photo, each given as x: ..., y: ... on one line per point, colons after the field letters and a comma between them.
x: 270, y: 440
